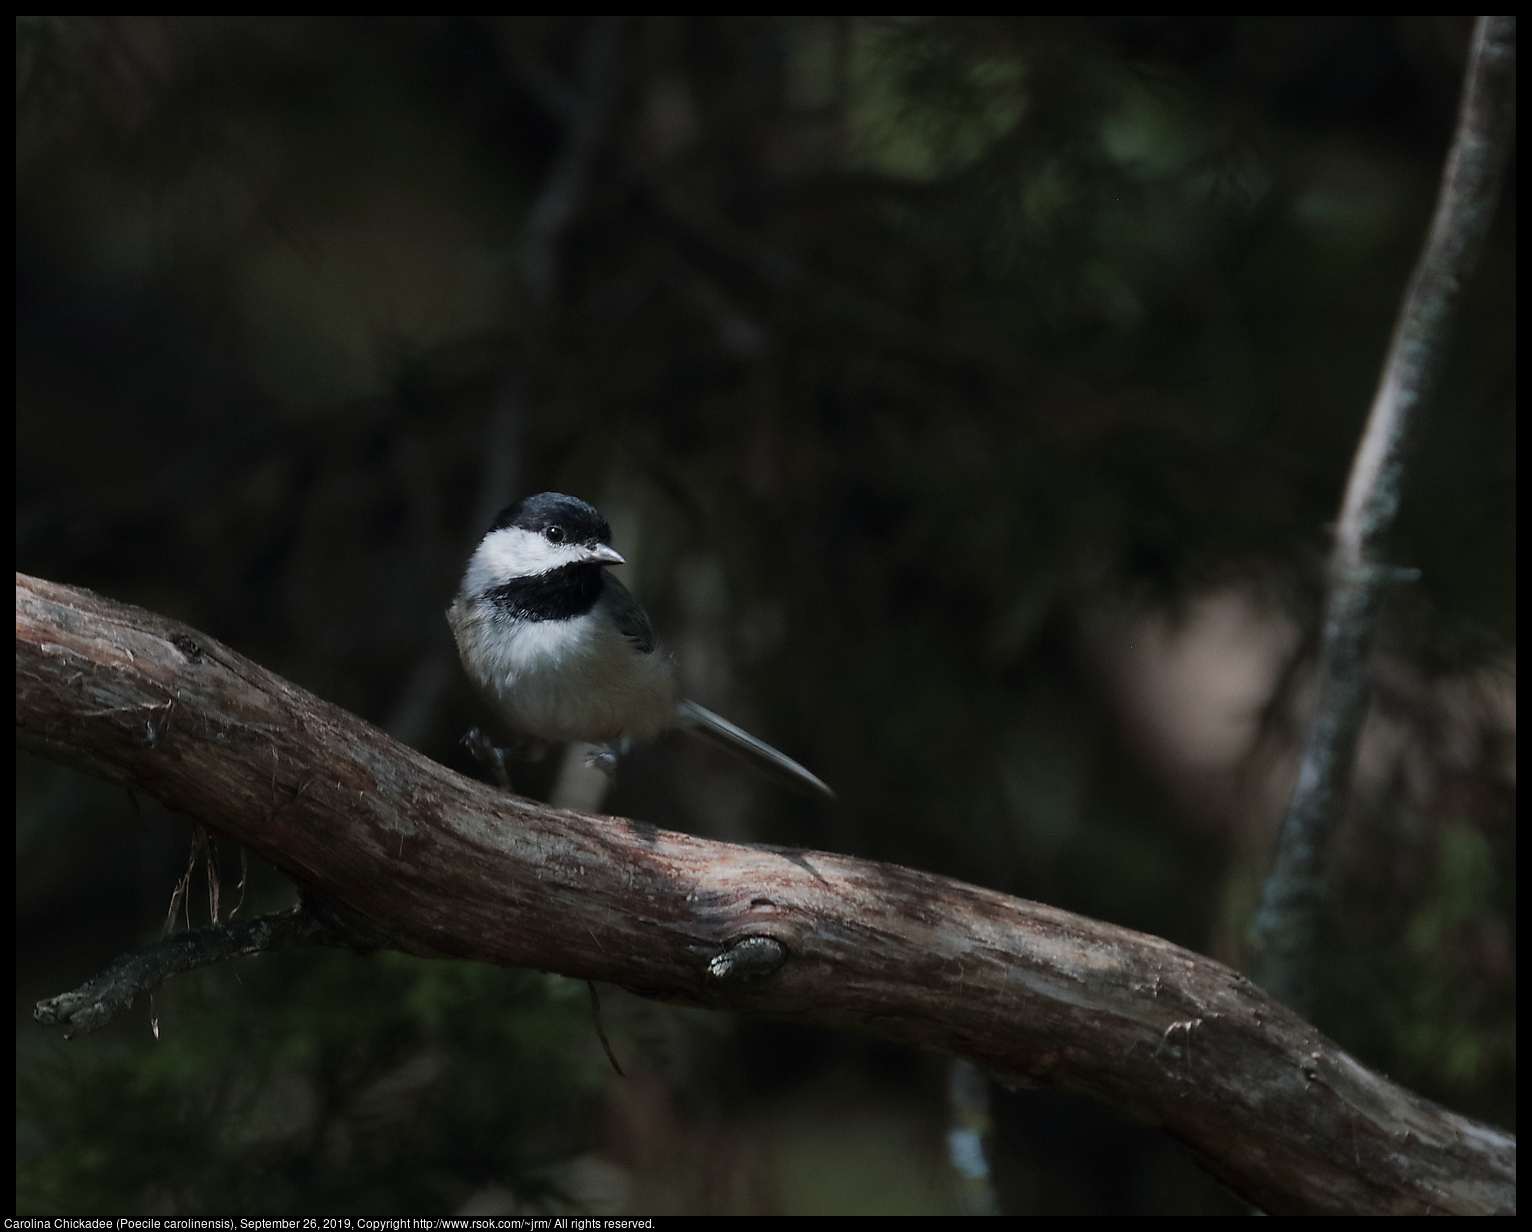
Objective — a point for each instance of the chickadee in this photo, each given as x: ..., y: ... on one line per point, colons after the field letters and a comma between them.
x: 562, y: 651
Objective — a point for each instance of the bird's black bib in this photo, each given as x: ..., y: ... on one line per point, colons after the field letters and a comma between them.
x: 559, y: 594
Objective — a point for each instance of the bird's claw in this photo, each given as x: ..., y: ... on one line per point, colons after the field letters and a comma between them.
x: 487, y: 751
x: 604, y: 758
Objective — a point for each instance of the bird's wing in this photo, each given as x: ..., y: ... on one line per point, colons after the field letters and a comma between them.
x: 732, y: 739
x: 631, y: 619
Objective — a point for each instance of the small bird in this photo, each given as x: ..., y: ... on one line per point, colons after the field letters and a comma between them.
x: 563, y: 652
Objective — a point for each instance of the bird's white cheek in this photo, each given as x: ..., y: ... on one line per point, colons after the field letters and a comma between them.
x: 515, y: 553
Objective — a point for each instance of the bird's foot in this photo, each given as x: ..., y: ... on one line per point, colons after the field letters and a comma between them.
x: 604, y: 758
x: 492, y: 755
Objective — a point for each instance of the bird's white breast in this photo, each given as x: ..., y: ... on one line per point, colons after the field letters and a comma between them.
x: 564, y: 680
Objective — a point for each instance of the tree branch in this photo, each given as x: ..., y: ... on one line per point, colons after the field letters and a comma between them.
x: 100, y: 1000
x: 1284, y: 930
x: 429, y: 862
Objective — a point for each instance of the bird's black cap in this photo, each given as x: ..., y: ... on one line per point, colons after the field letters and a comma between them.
x: 579, y: 521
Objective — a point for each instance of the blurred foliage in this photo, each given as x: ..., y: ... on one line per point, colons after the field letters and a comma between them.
x: 1421, y: 956
x: 295, y: 1083
x: 895, y: 350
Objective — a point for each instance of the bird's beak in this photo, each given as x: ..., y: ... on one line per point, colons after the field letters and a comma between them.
x: 600, y: 554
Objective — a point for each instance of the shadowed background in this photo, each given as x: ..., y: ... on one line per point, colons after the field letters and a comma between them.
x: 971, y: 399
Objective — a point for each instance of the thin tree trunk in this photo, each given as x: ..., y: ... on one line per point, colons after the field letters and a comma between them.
x: 1285, y: 928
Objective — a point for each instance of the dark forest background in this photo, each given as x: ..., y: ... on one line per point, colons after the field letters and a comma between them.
x: 971, y: 397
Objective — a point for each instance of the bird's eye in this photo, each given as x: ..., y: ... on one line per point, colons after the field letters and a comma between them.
x: 555, y: 534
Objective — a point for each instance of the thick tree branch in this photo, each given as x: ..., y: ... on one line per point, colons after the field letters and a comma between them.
x: 429, y: 862
x: 1284, y: 930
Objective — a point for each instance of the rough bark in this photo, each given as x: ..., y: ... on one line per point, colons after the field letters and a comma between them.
x: 437, y: 864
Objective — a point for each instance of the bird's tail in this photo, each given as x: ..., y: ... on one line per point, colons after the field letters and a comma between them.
x: 731, y: 739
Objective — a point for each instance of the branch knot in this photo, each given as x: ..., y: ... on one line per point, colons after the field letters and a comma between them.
x: 749, y: 958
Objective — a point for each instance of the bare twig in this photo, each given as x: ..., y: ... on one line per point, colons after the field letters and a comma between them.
x: 100, y: 1000
x: 595, y: 1013
x: 1283, y: 932
x: 417, y: 858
